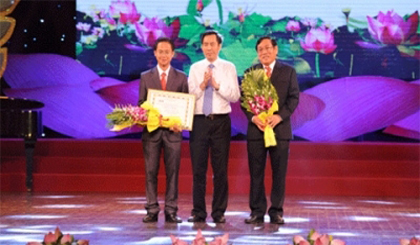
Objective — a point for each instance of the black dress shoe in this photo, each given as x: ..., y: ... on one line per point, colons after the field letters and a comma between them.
x: 195, y: 218
x: 253, y: 219
x: 150, y: 218
x: 219, y: 219
x: 277, y: 220
x: 172, y: 218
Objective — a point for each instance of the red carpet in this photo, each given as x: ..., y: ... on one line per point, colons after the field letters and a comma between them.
x: 346, y: 169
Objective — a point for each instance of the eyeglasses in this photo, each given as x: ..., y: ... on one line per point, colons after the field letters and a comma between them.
x: 266, y: 48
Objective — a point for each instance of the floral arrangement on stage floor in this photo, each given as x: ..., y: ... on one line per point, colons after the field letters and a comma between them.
x: 260, y: 98
x: 315, y: 238
x: 200, y: 240
x: 123, y: 117
x: 412, y: 241
x: 57, y: 238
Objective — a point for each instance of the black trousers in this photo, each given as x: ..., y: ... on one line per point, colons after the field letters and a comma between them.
x: 257, y: 157
x: 210, y: 135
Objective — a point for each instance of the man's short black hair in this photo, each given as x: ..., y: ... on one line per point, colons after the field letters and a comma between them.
x: 212, y: 32
x: 164, y: 39
x: 273, y: 41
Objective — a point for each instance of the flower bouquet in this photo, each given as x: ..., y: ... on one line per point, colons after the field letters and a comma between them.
x: 200, y: 240
x: 260, y: 98
x: 314, y: 238
x: 123, y: 117
x: 57, y: 238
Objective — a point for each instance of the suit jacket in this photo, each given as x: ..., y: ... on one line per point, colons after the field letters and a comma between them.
x: 176, y: 81
x: 284, y: 79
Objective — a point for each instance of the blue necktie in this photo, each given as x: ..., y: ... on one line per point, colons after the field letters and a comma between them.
x: 208, y: 97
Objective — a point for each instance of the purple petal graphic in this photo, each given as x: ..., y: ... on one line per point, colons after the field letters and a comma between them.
x: 308, y: 109
x: 358, y: 105
x: 122, y: 94
x: 71, y: 110
x: 239, y: 120
x: 104, y: 82
x: 409, y: 127
x: 40, y: 70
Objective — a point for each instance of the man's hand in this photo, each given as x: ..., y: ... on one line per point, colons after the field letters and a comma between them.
x: 260, y: 123
x: 176, y: 128
x: 273, y: 120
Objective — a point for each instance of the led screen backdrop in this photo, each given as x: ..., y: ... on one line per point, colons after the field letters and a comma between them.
x: 357, y: 62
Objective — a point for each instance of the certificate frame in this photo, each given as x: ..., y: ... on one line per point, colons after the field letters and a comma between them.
x: 171, y: 103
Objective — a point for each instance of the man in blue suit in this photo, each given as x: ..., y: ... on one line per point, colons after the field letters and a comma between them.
x: 162, y: 77
x: 284, y: 79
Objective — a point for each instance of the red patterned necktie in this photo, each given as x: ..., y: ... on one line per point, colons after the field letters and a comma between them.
x: 163, y: 81
x: 268, y: 71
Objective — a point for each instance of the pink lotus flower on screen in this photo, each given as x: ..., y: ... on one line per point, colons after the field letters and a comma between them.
x: 412, y: 241
x: 390, y: 28
x: 199, y: 5
x: 151, y: 30
x: 125, y: 10
x: 319, y: 40
x: 83, y: 26
x: 293, y: 25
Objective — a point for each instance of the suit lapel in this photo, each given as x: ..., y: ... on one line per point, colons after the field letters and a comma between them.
x: 171, y: 79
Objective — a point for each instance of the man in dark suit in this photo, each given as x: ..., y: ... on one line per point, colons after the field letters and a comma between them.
x: 284, y: 79
x: 163, y: 77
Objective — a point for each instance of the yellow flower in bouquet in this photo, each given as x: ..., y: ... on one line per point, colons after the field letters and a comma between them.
x: 146, y: 115
x: 260, y: 98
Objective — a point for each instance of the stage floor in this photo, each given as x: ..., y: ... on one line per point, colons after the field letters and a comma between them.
x: 116, y: 219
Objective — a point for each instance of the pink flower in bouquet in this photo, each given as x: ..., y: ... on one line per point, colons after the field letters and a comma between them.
x: 322, y: 240
x: 137, y: 113
x: 151, y: 30
x: 390, y: 28
x: 126, y: 10
x: 83, y: 26
x: 82, y: 242
x: 319, y: 40
x: 293, y: 25
x: 50, y: 238
x: 412, y: 241
x: 67, y: 239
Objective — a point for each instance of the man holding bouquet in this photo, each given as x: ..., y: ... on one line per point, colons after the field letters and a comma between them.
x: 214, y: 82
x: 162, y: 77
x: 285, y: 86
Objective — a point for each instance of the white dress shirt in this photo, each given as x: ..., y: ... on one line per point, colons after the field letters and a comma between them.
x: 162, y: 71
x: 224, y: 73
